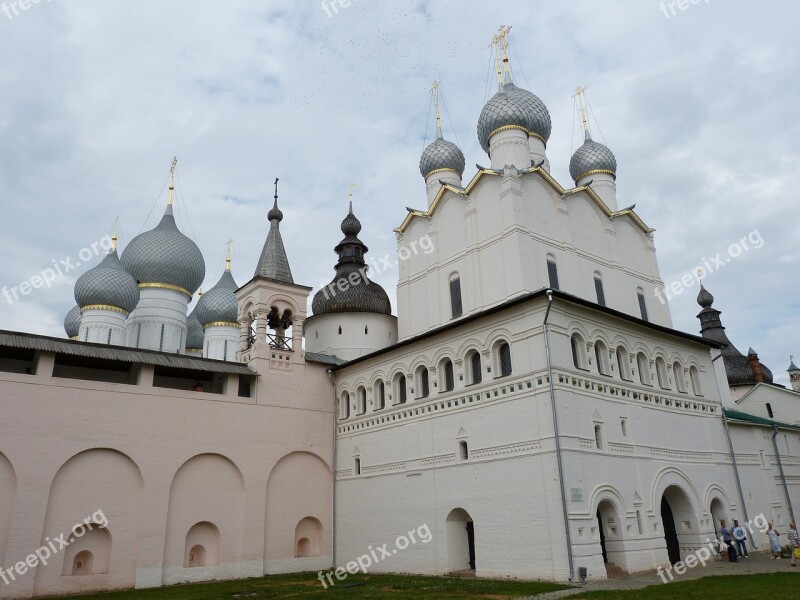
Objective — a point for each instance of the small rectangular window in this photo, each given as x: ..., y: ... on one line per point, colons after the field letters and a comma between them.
x: 552, y: 273
x: 598, y: 287
x: 455, y: 297
x: 642, y: 306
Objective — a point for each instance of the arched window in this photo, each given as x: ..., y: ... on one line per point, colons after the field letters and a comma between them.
x: 344, y: 406
x: 456, y: 305
x: 598, y: 289
x: 642, y: 304
x: 623, y: 364
x: 598, y: 436
x: 380, y: 395
x: 82, y: 563
x: 400, y: 391
x: 623, y: 423
x: 770, y: 414
x: 447, y: 375
x: 643, y: 365
x: 474, y: 362
x: 694, y: 377
x: 463, y: 450
x: 504, y: 359
x: 357, y: 466
x: 639, y: 522
x: 578, y: 351
x: 601, y: 357
x: 552, y: 272
x: 197, y: 556
x: 677, y: 373
x: 423, y: 383
x: 202, y: 545
x: 661, y: 373
x: 361, y: 400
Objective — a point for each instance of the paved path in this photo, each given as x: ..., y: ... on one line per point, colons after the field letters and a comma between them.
x: 757, y: 563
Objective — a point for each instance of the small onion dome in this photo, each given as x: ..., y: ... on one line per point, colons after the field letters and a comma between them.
x: 513, y: 107
x: 72, y: 322
x: 351, y: 290
x: 441, y: 155
x: 219, y: 305
x: 165, y: 256
x: 592, y: 157
x: 108, y: 284
x: 194, y: 332
x: 704, y: 298
x: 792, y: 367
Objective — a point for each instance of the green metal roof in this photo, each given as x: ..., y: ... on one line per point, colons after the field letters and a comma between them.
x: 738, y: 415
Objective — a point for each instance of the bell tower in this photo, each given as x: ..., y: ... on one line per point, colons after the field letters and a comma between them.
x: 272, y: 307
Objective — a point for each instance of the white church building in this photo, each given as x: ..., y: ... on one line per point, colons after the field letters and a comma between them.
x: 530, y: 402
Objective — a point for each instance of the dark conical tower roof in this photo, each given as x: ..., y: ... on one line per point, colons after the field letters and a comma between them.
x: 737, y: 367
x: 351, y: 290
x: 273, y: 263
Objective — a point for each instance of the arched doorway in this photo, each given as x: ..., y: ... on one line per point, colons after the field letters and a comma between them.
x: 602, y: 537
x: 611, y: 543
x: 670, y: 532
x: 460, y: 541
x: 718, y: 514
x: 679, y: 520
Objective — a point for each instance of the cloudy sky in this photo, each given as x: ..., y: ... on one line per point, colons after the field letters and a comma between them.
x: 699, y: 105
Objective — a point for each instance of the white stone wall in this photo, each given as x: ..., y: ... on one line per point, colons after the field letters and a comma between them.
x: 349, y: 335
x: 221, y: 342
x: 411, y: 470
x: 498, y: 238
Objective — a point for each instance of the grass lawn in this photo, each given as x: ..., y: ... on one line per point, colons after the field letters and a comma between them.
x: 307, y: 586
x: 725, y: 587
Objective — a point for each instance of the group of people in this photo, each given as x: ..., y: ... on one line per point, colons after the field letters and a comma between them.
x: 735, y: 539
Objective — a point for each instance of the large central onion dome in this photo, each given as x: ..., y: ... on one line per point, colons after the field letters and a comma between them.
x: 513, y: 107
x: 441, y: 155
x: 72, y: 322
x: 592, y: 157
x: 165, y: 256
x: 351, y: 290
x: 107, y: 285
x: 219, y: 305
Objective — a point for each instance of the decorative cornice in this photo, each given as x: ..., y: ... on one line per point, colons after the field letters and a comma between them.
x: 221, y: 324
x: 446, y: 187
x: 596, y: 172
x: 508, y: 128
x: 103, y: 307
x: 544, y: 175
x: 165, y: 286
x: 443, y: 170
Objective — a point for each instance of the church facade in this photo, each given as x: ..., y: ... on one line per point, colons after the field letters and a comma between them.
x: 530, y: 405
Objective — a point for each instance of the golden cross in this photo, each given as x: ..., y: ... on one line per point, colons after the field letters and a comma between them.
x: 579, y: 93
x: 435, y: 89
x: 229, y: 243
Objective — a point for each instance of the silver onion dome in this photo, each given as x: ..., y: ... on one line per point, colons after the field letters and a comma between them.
x: 165, y: 256
x: 72, y: 322
x: 219, y: 305
x: 107, y: 284
x: 440, y: 155
x: 194, y: 332
x: 513, y: 106
x: 591, y: 157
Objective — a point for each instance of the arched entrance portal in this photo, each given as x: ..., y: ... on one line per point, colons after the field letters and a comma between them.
x: 670, y: 533
x: 460, y: 541
x: 718, y: 514
x: 611, y: 544
x: 679, y: 521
